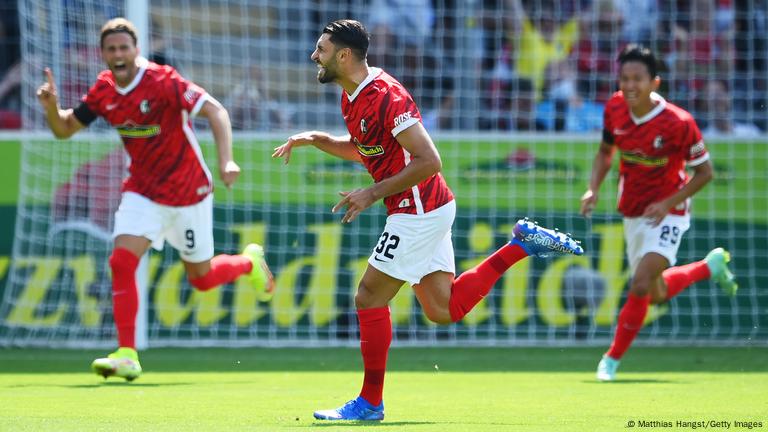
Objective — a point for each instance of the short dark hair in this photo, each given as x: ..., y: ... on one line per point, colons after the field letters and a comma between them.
x: 639, y: 53
x: 119, y: 25
x: 350, y: 34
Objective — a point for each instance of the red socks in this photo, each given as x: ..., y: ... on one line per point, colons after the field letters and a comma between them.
x: 224, y: 269
x: 375, y: 337
x: 681, y: 277
x: 125, y: 296
x: 630, y: 322
x: 474, y: 284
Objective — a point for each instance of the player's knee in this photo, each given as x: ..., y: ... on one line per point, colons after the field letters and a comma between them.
x: 364, y: 297
x: 641, y: 286
x: 438, y: 316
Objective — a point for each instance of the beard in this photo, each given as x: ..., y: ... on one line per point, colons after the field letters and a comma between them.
x: 326, y: 75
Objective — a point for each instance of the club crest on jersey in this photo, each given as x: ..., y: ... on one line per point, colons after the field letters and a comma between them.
x: 363, y: 126
x: 658, y: 142
x: 144, y: 106
x: 368, y: 151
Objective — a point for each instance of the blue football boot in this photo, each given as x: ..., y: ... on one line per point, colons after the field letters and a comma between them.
x: 606, y: 369
x: 355, y: 410
x: 544, y: 242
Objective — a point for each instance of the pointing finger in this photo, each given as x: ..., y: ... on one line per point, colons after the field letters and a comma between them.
x: 49, y: 76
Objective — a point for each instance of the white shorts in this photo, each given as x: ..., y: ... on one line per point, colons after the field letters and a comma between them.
x: 188, y: 229
x: 664, y: 239
x: 413, y: 246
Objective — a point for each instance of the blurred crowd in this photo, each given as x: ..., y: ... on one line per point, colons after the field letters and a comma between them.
x: 10, y: 67
x: 509, y: 65
x: 550, y: 64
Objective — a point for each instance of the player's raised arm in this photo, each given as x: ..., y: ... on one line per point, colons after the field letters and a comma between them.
x: 62, y: 123
x: 339, y: 146
x: 221, y: 127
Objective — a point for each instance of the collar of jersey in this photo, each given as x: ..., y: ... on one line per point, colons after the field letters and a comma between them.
x: 373, y: 72
x: 142, y: 63
x: 661, y: 103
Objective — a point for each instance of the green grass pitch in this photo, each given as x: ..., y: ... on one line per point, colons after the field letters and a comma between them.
x: 427, y: 389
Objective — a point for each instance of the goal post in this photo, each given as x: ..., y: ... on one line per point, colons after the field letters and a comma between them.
x: 512, y: 146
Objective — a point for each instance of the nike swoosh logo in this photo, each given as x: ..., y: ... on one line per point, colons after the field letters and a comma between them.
x: 620, y: 132
x: 110, y: 107
x: 376, y: 257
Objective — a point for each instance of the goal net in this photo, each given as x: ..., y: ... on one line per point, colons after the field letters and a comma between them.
x: 512, y: 92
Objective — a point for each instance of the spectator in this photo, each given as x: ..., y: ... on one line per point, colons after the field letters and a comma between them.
x: 388, y: 46
x: 10, y: 67
x: 641, y: 28
x: 717, y: 113
x: 510, y: 105
x: 701, y: 52
x: 251, y: 107
x: 595, y: 54
x: 539, y: 38
x: 750, y: 86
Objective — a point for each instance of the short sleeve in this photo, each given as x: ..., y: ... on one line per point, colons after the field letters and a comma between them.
x: 188, y: 95
x: 401, y: 112
x: 693, y: 144
x: 90, y: 105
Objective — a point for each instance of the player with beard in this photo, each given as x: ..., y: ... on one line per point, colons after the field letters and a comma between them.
x: 168, y: 193
x: 386, y: 136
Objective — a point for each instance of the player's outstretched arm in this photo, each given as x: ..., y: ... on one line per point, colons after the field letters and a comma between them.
x: 340, y: 147
x: 221, y: 127
x: 600, y: 168
x: 62, y: 123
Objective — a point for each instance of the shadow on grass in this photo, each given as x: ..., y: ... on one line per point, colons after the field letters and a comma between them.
x: 331, y: 423
x: 633, y: 381
x: 103, y: 384
x: 446, y: 360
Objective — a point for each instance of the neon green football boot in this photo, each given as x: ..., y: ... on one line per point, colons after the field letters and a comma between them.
x: 717, y: 261
x: 260, y: 277
x: 123, y: 363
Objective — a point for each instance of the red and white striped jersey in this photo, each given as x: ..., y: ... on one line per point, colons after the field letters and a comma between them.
x: 153, y: 115
x: 375, y: 113
x: 654, y: 151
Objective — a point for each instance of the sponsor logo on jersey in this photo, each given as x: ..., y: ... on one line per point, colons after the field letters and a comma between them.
x: 368, y: 151
x: 658, y: 142
x: 132, y: 130
x: 190, y: 95
x: 698, y: 148
x: 144, y: 106
x: 641, y: 159
x: 402, y: 118
x: 363, y: 126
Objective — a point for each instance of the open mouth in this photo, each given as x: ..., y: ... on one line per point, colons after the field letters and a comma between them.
x: 119, y: 67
